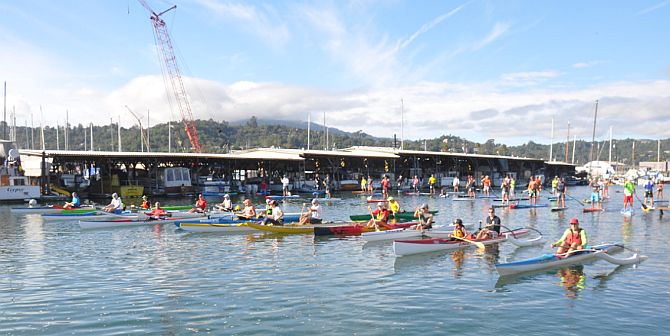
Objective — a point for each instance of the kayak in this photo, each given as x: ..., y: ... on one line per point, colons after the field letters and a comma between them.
x: 289, y: 228
x: 391, y: 234
x: 463, y: 199
x: 445, y: 231
x: 550, y: 260
x: 408, y: 247
x: 376, y: 200
x: 402, y: 215
x: 593, y: 209
x: 49, y: 209
x: 288, y: 217
x: 527, y: 206
x: 353, y: 229
x: 276, y: 197
x: 327, y: 199
x: 95, y: 215
x: 219, y: 228
x: 93, y: 224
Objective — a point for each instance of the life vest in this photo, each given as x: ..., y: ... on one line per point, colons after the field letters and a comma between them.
x: 459, y: 233
x: 574, y: 237
x: 145, y: 205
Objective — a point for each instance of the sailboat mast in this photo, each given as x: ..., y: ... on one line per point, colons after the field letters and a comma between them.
x: 593, y: 139
x: 309, y: 126
x: 551, y: 144
x: 610, y: 156
x: 567, y: 143
x: 402, y: 124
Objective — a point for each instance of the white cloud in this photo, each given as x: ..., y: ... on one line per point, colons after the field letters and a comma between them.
x: 582, y: 65
x: 653, y: 8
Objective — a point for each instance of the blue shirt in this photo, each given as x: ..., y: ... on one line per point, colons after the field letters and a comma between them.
x: 76, y: 203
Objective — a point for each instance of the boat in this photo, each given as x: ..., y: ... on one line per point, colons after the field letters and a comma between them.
x: 232, y: 219
x: 402, y: 215
x: 527, y: 206
x: 14, y: 186
x: 49, y: 209
x: 353, y: 229
x: 559, y: 209
x: 593, y: 209
x: 550, y: 260
x: 91, y: 215
x: 391, y: 234
x: 280, y: 197
x: 327, y: 199
x: 288, y: 228
x: 376, y: 200
x: 408, y: 247
x: 445, y: 231
x: 215, y: 227
x: 461, y: 199
x: 628, y: 212
x: 98, y: 224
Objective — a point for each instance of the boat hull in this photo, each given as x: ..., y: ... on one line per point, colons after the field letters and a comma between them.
x: 409, y: 247
x: 391, y: 234
x: 85, y: 224
x: 404, y: 215
x: 353, y: 229
x: 215, y: 228
x: 550, y: 260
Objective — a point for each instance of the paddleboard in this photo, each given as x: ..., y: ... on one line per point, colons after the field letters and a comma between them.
x: 559, y: 209
x: 593, y: 209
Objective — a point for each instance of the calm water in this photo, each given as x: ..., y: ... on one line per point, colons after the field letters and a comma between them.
x: 58, y: 280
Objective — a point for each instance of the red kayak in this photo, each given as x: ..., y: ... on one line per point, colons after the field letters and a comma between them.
x: 354, y: 229
x: 376, y: 200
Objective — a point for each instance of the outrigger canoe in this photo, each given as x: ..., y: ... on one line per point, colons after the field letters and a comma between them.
x: 218, y: 228
x: 91, y: 215
x: 50, y: 209
x: 550, y: 260
x: 403, y: 215
x: 354, y: 229
x: 391, y: 234
x: 85, y: 224
x: 288, y: 228
x: 408, y: 247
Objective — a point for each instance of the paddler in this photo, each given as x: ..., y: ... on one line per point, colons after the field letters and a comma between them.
x: 573, y: 239
x: 394, y: 206
x: 379, y: 217
x: 492, y: 228
x: 424, y: 216
x: 248, y: 212
x: 157, y: 212
x: 459, y: 230
x: 146, y: 205
x: 75, y: 203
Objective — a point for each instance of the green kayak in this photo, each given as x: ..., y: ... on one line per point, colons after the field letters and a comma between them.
x: 403, y: 216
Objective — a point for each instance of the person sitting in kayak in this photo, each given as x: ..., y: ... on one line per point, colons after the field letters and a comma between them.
x: 75, y: 203
x: 573, y: 239
x: 379, y: 217
x: 248, y: 212
x: 226, y: 205
x: 313, y: 214
x: 492, y: 228
x: 157, y: 212
x: 115, y: 206
x: 394, y: 206
x: 200, y: 205
x: 277, y: 217
x: 424, y: 216
x: 459, y: 230
x: 146, y: 205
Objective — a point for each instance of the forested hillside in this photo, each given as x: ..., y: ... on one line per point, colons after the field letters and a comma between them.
x: 221, y: 137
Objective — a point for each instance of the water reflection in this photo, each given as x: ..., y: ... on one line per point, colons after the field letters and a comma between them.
x: 458, y: 257
x: 573, y: 280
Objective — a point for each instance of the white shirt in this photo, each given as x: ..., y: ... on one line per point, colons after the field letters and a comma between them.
x: 277, y: 213
x: 227, y: 204
x: 116, y: 203
x: 455, y: 182
x: 285, y: 182
x: 316, y: 211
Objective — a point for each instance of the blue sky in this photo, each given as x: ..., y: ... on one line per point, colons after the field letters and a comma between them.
x: 476, y: 69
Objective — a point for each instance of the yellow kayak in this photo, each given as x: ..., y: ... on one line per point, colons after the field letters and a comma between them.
x: 289, y: 228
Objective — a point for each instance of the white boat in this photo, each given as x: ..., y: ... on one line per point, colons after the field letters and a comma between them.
x: 219, y: 228
x: 391, y: 234
x: 445, y: 231
x: 550, y: 260
x: 408, y: 247
x: 13, y: 185
x: 48, y: 209
x: 93, y: 215
x: 93, y: 224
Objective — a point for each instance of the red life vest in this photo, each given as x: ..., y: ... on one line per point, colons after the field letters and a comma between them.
x: 574, y: 237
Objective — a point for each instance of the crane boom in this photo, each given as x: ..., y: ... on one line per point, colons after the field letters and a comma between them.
x: 172, y: 75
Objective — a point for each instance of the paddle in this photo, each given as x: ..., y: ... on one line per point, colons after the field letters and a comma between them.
x: 644, y: 206
x: 478, y: 244
x: 572, y: 198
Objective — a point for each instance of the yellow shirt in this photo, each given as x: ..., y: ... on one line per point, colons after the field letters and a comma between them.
x: 394, y: 206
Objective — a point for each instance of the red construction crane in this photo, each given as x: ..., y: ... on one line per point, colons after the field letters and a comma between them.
x: 172, y: 75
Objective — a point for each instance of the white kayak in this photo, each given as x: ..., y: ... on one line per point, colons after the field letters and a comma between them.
x: 408, y: 247
x: 445, y: 231
x: 551, y: 261
x: 48, y: 209
x: 219, y: 228
x: 94, y: 215
x: 137, y: 221
x: 391, y: 234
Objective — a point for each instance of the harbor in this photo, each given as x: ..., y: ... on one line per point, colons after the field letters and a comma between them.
x: 157, y: 279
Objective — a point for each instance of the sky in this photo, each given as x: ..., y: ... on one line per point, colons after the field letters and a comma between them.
x: 502, y: 70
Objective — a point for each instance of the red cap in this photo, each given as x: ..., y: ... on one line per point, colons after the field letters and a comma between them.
x: 574, y: 221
